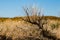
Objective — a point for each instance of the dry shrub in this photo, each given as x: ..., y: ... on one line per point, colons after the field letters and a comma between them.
x: 34, y: 16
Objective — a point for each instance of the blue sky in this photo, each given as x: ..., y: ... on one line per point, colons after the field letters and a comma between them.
x: 12, y: 8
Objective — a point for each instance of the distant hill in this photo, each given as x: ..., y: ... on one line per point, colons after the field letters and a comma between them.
x: 18, y: 18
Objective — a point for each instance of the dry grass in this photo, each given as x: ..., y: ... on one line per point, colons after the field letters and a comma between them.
x: 17, y: 28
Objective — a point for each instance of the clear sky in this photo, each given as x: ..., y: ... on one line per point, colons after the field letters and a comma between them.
x: 12, y: 8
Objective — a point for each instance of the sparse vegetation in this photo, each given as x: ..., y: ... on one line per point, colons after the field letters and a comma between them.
x: 30, y: 27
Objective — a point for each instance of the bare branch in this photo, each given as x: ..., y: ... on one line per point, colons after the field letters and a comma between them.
x: 35, y: 17
x: 26, y: 10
